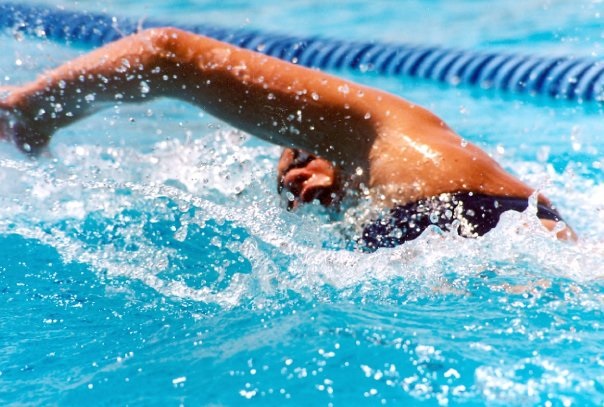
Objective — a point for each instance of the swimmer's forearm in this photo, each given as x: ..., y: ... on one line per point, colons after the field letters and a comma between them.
x: 74, y: 90
x: 274, y: 100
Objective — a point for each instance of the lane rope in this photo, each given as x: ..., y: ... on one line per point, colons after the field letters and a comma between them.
x: 563, y: 77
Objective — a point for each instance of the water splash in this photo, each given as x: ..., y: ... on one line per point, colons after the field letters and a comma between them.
x: 147, y: 216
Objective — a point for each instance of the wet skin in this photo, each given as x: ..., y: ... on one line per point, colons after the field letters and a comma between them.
x: 397, y: 151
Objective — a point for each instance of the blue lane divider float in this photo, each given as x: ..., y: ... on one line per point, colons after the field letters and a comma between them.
x: 573, y: 78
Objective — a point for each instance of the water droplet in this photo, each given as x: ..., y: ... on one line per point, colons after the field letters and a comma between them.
x: 182, y: 232
x: 367, y: 116
x: 144, y: 87
x: 62, y: 84
x: 543, y: 153
x: 270, y: 96
x: 39, y: 31
x: 344, y: 89
x: 89, y: 97
x: 575, y: 138
x: 314, y: 96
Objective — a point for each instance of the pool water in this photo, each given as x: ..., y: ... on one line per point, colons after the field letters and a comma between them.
x: 149, y: 261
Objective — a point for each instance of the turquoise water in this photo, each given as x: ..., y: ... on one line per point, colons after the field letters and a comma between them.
x: 148, y: 260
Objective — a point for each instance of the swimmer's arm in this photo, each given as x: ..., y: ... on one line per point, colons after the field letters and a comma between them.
x: 274, y: 100
x: 350, y: 125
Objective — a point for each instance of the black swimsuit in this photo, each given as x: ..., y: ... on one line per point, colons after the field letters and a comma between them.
x: 476, y: 213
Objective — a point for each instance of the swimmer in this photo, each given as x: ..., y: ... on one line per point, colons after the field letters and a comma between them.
x: 338, y: 135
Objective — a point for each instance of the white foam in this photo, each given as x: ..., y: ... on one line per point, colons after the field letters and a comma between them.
x: 222, y: 177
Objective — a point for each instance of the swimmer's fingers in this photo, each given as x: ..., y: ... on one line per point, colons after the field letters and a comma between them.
x: 14, y: 127
x: 5, y: 112
x: 26, y: 137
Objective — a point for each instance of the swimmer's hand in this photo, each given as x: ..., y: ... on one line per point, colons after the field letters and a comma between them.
x: 307, y: 178
x: 15, y: 127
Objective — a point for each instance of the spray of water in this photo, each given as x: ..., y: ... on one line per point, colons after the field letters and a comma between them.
x: 147, y: 216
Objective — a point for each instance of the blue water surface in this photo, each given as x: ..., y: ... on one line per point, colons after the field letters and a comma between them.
x: 149, y: 261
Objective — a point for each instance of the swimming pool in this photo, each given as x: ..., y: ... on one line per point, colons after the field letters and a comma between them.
x: 149, y: 261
